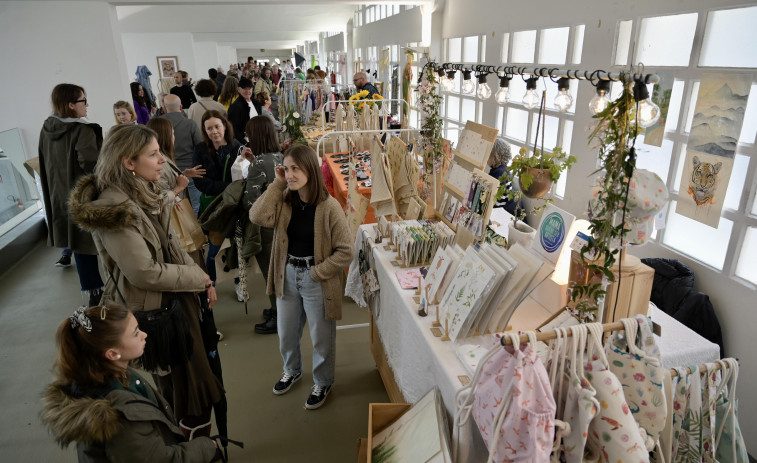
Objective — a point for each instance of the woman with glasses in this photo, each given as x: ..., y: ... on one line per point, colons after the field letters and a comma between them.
x: 69, y: 145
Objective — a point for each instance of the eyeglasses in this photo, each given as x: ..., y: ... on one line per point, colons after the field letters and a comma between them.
x: 80, y: 101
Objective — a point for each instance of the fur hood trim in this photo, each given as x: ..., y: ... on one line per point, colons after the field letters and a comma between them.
x: 84, y: 419
x: 110, y: 211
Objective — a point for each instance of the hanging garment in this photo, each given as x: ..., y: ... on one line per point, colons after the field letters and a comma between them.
x: 729, y: 441
x: 613, y: 434
x: 690, y: 445
x: 636, y: 363
x: 143, y: 77
x: 511, y: 401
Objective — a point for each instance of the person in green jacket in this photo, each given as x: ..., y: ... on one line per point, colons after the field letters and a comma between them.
x: 104, y: 406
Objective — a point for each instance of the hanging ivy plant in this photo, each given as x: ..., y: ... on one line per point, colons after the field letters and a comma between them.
x: 613, y: 136
x: 429, y: 102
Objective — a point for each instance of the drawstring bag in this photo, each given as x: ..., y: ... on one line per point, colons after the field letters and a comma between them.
x: 641, y: 373
x: 511, y: 401
x: 730, y: 446
x: 613, y: 434
x: 690, y: 447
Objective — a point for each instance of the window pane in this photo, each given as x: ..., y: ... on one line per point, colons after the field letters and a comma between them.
x: 470, y: 49
x: 697, y: 240
x: 517, y: 89
x: 550, y: 132
x: 524, y: 46
x: 413, y: 118
x: 553, y: 45
x: 674, y: 109
x: 736, y: 183
x: 505, y: 46
x: 452, y: 133
x: 454, y: 50
x: 469, y: 110
x: 747, y: 266
x: 453, y: 107
x: 749, y: 129
x: 500, y: 117
x: 624, y: 42
x: 692, y: 105
x: 679, y: 171
x: 666, y: 40
x: 578, y: 44
x: 517, y: 124
x: 654, y: 158
x: 725, y: 29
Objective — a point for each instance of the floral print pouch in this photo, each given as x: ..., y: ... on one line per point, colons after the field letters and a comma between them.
x: 641, y: 373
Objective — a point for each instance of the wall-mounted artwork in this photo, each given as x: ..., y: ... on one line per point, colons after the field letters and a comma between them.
x: 661, y: 94
x: 167, y: 65
x: 715, y: 130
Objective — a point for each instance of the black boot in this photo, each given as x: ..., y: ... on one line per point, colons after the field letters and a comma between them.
x: 94, y: 297
x: 268, y: 313
x: 267, y: 327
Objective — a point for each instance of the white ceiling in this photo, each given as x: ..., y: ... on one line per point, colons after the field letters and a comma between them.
x: 240, y: 24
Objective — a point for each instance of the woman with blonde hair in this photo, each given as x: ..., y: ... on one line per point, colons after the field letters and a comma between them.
x: 124, y: 113
x: 103, y: 405
x: 149, y: 272
x: 229, y: 92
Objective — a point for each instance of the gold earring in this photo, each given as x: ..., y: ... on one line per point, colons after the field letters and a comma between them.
x: 133, y: 173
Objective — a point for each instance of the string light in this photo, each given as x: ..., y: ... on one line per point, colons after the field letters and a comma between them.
x: 449, y: 84
x: 647, y: 112
x: 503, y: 94
x: 467, y: 82
x: 484, y: 91
x: 563, y: 100
x: 600, y: 101
x: 531, y: 99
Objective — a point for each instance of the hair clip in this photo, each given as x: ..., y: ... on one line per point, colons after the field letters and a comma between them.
x: 103, y: 312
x: 79, y: 317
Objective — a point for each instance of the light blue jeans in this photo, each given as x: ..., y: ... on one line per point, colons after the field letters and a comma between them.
x: 303, y: 301
x: 194, y: 196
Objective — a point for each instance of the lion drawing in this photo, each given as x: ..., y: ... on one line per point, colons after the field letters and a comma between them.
x: 704, y: 180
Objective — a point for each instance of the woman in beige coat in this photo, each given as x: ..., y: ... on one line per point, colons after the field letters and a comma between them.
x: 311, y: 250
x: 130, y: 221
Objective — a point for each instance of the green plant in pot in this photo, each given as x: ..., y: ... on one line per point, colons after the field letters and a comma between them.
x: 519, y: 230
x: 537, y: 173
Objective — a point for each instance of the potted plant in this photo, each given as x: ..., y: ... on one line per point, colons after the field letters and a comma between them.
x: 519, y: 230
x: 537, y: 172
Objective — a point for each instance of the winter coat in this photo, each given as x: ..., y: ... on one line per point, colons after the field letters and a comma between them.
x: 263, y: 85
x: 119, y: 425
x: 68, y: 149
x: 333, y: 245
x: 130, y: 248
x: 673, y: 292
x: 239, y: 115
x: 222, y: 215
x: 217, y: 167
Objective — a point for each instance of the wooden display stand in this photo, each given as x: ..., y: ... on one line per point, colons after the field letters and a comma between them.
x: 635, y: 290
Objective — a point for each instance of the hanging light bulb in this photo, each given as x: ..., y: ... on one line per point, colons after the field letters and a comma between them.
x: 440, y: 76
x: 449, y: 83
x: 484, y: 91
x: 503, y: 94
x: 467, y: 82
x: 600, y: 100
x: 647, y: 112
x: 563, y: 100
x: 531, y: 98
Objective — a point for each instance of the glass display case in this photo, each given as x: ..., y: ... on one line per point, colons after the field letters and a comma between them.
x: 19, y: 191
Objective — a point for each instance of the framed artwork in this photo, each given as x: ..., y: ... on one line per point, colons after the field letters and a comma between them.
x: 167, y: 65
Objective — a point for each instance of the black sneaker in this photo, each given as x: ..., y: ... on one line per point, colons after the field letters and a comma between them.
x: 95, y: 295
x: 285, y: 383
x: 317, y: 397
x: 64, y: 261
x: 267, y: 327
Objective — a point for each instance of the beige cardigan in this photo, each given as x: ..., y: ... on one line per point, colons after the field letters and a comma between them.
x: 333, y: 246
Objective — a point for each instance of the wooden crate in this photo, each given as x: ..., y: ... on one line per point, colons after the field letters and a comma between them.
x: 379, y: 417
x: 635, y: 291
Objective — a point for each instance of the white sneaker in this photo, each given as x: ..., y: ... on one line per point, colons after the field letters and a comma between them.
x: 220, y: 335
x: 238, y: 290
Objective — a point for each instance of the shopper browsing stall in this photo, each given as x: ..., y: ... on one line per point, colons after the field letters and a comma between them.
x: 148, y: 270
x: 104, y: 406
x: 311, y: 250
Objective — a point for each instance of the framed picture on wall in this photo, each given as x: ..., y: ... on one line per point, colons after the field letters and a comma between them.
x: 167, y: 65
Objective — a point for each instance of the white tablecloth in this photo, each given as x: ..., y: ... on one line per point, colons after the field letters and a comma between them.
x: 421, y: 361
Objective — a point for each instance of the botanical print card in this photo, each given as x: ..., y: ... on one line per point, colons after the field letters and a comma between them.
x: 408, y: 278
x: 436, y: 272
x: 552, y: 232
x: 458, y: 177
x: 471, y: 279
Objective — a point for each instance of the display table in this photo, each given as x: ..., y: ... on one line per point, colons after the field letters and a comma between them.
x: 340, y: 187
x: 313, y: 133
x: 411, y: 360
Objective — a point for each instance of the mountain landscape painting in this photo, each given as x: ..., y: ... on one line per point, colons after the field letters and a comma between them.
x: 719, y: 113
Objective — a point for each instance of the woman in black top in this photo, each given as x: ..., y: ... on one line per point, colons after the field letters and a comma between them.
x: 216, y: 155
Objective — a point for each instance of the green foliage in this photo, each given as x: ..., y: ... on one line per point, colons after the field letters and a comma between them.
x: 613, y: 135
x: 383, y: 453
x: 556, y: 162
x: 429, y: 102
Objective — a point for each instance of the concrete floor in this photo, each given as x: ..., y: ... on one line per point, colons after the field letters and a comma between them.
x: 35, y: 296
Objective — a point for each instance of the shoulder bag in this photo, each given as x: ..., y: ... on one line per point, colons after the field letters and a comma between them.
x: 186, y: 226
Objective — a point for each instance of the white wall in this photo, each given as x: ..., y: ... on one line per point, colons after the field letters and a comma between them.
x: 144, y: 48
x: 206, y: 57
x: 733, y: 302
x: 40, y: 50
x: 226, y: 56
x: 402, y: 28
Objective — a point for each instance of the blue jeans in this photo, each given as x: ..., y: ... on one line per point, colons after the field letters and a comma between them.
x: 88, y: 270
x: 194, y: 196
x: 66, y: 252
x: 303, y: 301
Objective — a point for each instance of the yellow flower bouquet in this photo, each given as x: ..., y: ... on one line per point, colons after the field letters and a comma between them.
x: 363, y: 98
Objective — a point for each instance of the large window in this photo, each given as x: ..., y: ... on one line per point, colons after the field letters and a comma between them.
x: 460, y: 107
x: 667, y: 43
